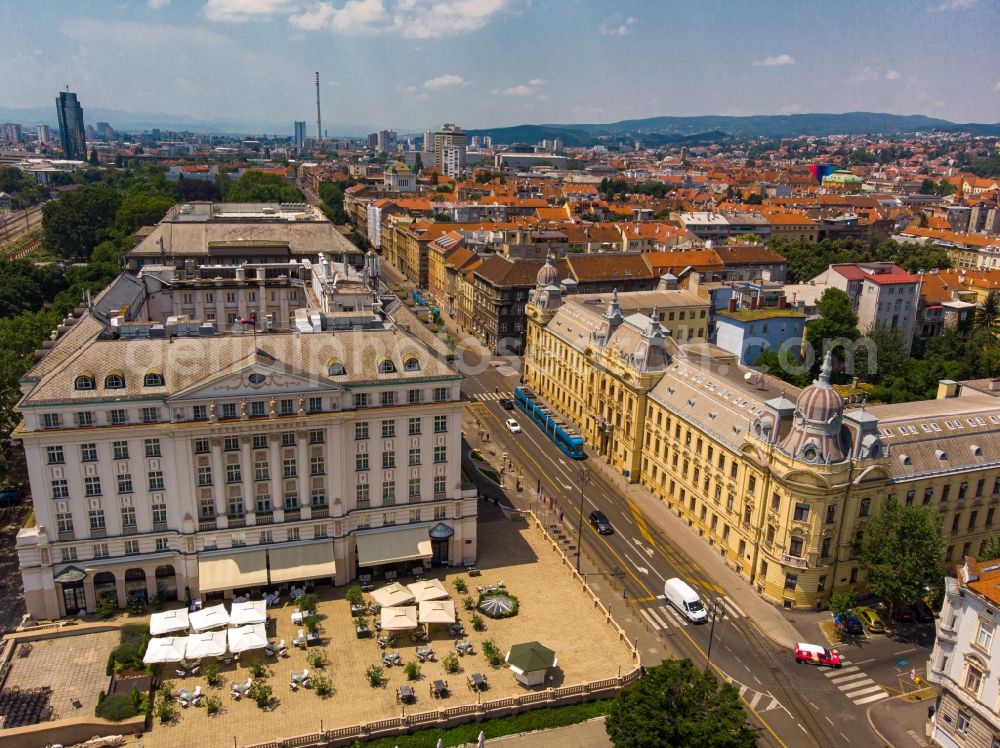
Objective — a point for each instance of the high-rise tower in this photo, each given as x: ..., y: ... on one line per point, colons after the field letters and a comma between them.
x: 70, y: 116
x: 319, y: 118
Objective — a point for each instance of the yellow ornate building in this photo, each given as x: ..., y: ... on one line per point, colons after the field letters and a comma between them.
x: 781, y: 482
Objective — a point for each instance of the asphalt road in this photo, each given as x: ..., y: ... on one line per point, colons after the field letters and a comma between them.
x: 795, y: 705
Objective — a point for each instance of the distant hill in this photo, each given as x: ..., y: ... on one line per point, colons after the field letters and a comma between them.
x: 664, y: 130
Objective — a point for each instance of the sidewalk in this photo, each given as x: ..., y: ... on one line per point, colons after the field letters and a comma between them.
x: 589, y: 734
x: 899, y: 723
x: 769, y: 618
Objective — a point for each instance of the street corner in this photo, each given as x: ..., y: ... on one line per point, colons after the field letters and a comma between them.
x: 901, y: 721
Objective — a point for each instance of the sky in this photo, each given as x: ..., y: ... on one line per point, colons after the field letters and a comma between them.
x: 413, y: 64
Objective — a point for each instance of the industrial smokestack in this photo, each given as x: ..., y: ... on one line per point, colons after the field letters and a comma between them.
x: 319, y: 119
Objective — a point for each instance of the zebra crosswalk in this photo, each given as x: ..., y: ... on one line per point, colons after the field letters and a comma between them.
x: 664, y: 616
x: 494, y: 396
x: 855, y: 684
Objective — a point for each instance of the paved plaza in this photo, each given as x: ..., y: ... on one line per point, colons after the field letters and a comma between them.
x: 553, y: 610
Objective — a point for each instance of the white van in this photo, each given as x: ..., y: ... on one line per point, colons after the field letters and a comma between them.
x: 679, y: 594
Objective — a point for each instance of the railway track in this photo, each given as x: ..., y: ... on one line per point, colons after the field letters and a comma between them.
x: 19, y: 223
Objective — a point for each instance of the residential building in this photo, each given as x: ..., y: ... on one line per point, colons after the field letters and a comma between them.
x: 11, y: 133
x: 449, y: 149
x: 71, y: 130
x: 169, y: 455
x: 43, y: 134
x: 300, y: 136
x: 718, y: 227
x: 963, y: 658
x: 748, y: 330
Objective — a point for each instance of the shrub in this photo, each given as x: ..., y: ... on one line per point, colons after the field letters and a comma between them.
x: 137, y: 700
x: 460, y: 584
x: 450, y: 663
x: 360, y: 621
x: 105, y: 608
x: 213, y: 704
x: 135, y: 605
x: 354, y: 595
x: 307, y: 602
x: 116, y: 708
x: 311, y: 623
x: 212, y: 676
x: 492, y: 653
x: 321, y: 685
x: 165, y: 711
x: 468, y: 602
x: 110, y: 667
x: 316, y: 658
x: 477, y: 622
x: 166, y: 690
x: 261, y: 693
x: 258, y: 670
x: 374, y: 675
x: 412, y: 670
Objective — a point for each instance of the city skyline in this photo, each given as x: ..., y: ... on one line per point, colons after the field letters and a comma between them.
x: 492, y: 63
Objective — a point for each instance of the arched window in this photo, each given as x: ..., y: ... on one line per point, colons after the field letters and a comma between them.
x: 114, y: 382
x: 337, y: 369
x: 387, y: 367
x: 84, y: 381
x: 411, y: 364
x: 153, y: 379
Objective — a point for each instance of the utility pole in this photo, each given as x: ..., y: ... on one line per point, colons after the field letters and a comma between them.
x: 716, y: 604
x: 584, y: 480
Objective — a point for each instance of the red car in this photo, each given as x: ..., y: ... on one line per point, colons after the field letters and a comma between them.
x: 816, y: 655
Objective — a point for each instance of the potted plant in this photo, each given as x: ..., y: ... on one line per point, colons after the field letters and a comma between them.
x: 361, y: 627
x: 374, y: 675
x: 356, y: 599
x: 307, y: 603
x: 412, y: 670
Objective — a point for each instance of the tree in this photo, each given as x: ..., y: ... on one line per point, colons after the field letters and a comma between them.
x: 881, y: 351
x: 900, y: 546
x: 138, y: 210
x: 94, y: 161
x: 989, y: 312
x: 261, y: 187
x: 991, y: 551
x: 418, y: 164
x: 74, y: 224
x: 677, y: 705
x: 927, y: 187
x: 837, y: 322
x: 755, y: 199
x: 843, y: 603
x: 780, y: 363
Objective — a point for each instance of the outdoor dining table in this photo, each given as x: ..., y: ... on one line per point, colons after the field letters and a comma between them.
x: 464, y: 647
x: 425, y: 653
x: 477, y: 681
x: 439, y: 688
x: 405, y: 694
x: 297, y: 617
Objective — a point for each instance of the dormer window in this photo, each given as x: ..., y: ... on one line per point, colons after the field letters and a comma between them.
x: 386, y: 367
x: 84, y: 381
x: 153, y: 379
x: 411, y: 364
x: 114, y: 381
x: 336, y: 369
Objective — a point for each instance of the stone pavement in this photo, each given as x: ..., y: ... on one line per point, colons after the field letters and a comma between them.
x: 768, y: 617
x: 900, y: 723
x: 590, y: 734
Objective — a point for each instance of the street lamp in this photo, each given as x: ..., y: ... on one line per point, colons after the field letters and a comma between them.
x: 584, y: 477
x: 716, y: 607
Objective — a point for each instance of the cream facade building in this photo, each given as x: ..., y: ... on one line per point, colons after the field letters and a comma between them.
x: 778, y: 481
x: 172, y: 456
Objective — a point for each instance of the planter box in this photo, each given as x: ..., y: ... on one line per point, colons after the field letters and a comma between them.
x: 363, y: 632
x: 357, y: 610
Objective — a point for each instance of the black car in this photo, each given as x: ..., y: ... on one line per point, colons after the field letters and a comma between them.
x: 506, y: 404
x: 852, y: 626
x: 922, y: 613
x: 600, y: 523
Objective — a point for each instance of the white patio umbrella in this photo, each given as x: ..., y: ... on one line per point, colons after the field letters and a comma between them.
x: 399, y: 619
x: 250, y: 612
x: 165, y: 649
x: 168, y: 621
x: 437, y: 611
x: 392, y: 595
x: 431, y: 589
x: 209, y: 618
x: 206, y: 644
x: 247, y: 637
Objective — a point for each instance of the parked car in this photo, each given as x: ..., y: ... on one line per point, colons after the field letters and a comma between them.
x: 506, y: 404
x: 852, y: 626
x: 870, y: 619
x: 513, y: 426
x: 600, y: 523
x: 814, y: 654
x: 8, y: 496
x: 903, y: 613
x: 922, y: 612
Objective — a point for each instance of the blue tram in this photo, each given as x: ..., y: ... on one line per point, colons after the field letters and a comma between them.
x: 561, y: 433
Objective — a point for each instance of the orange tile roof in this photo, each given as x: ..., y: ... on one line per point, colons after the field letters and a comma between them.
x: 697, y: 259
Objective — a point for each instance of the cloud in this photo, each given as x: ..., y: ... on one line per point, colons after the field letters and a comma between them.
x: 616, y: 28
x: 892, y: 75
x: 517, y: 91
x: 333, y: 83
x: 238, y: 11
x: 413, y: 19
x: 536, y: 82
x: 870, y: 75
x: 949, y: 5
x: 525, y: 89
x: 996, y: 86
x: 157, y: 4
x: 775, y: 61
x: 410, y: 89
x: 445, y: 81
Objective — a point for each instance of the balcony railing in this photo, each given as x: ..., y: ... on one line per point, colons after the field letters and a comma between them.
x: 796, y: 561
x: 130, y: 529
x: 160, y: 527
x: 207, y: 525
x: 67, y: 535
x: 320, y: 512
x: 98, y: 532
x: 238, y: 520
x: 292, y: 515
x: 264, y: 518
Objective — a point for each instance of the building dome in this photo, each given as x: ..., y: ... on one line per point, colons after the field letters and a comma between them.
x: 815, y: 433
x: 548, y: 275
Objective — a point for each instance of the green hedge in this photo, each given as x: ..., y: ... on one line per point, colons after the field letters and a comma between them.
x: 116, y: 708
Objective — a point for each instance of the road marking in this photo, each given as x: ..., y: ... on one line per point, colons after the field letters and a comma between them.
x: 642, y: 569
x: 671, y: 614
x: 848, y: 669
x: 733, y: 607
x: 869, y: 699
x: 849, y: 688
x: 649, y: 619
x: 758, y: 681
x: 846, y: 678
x: 802, y: 728
x: 904, y: 651
x: 828, y: 719
x: 656, y: 618
x: 865, y: 689
x: 756, y: 699
x: 773, y: 704
x: 863, y: 662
